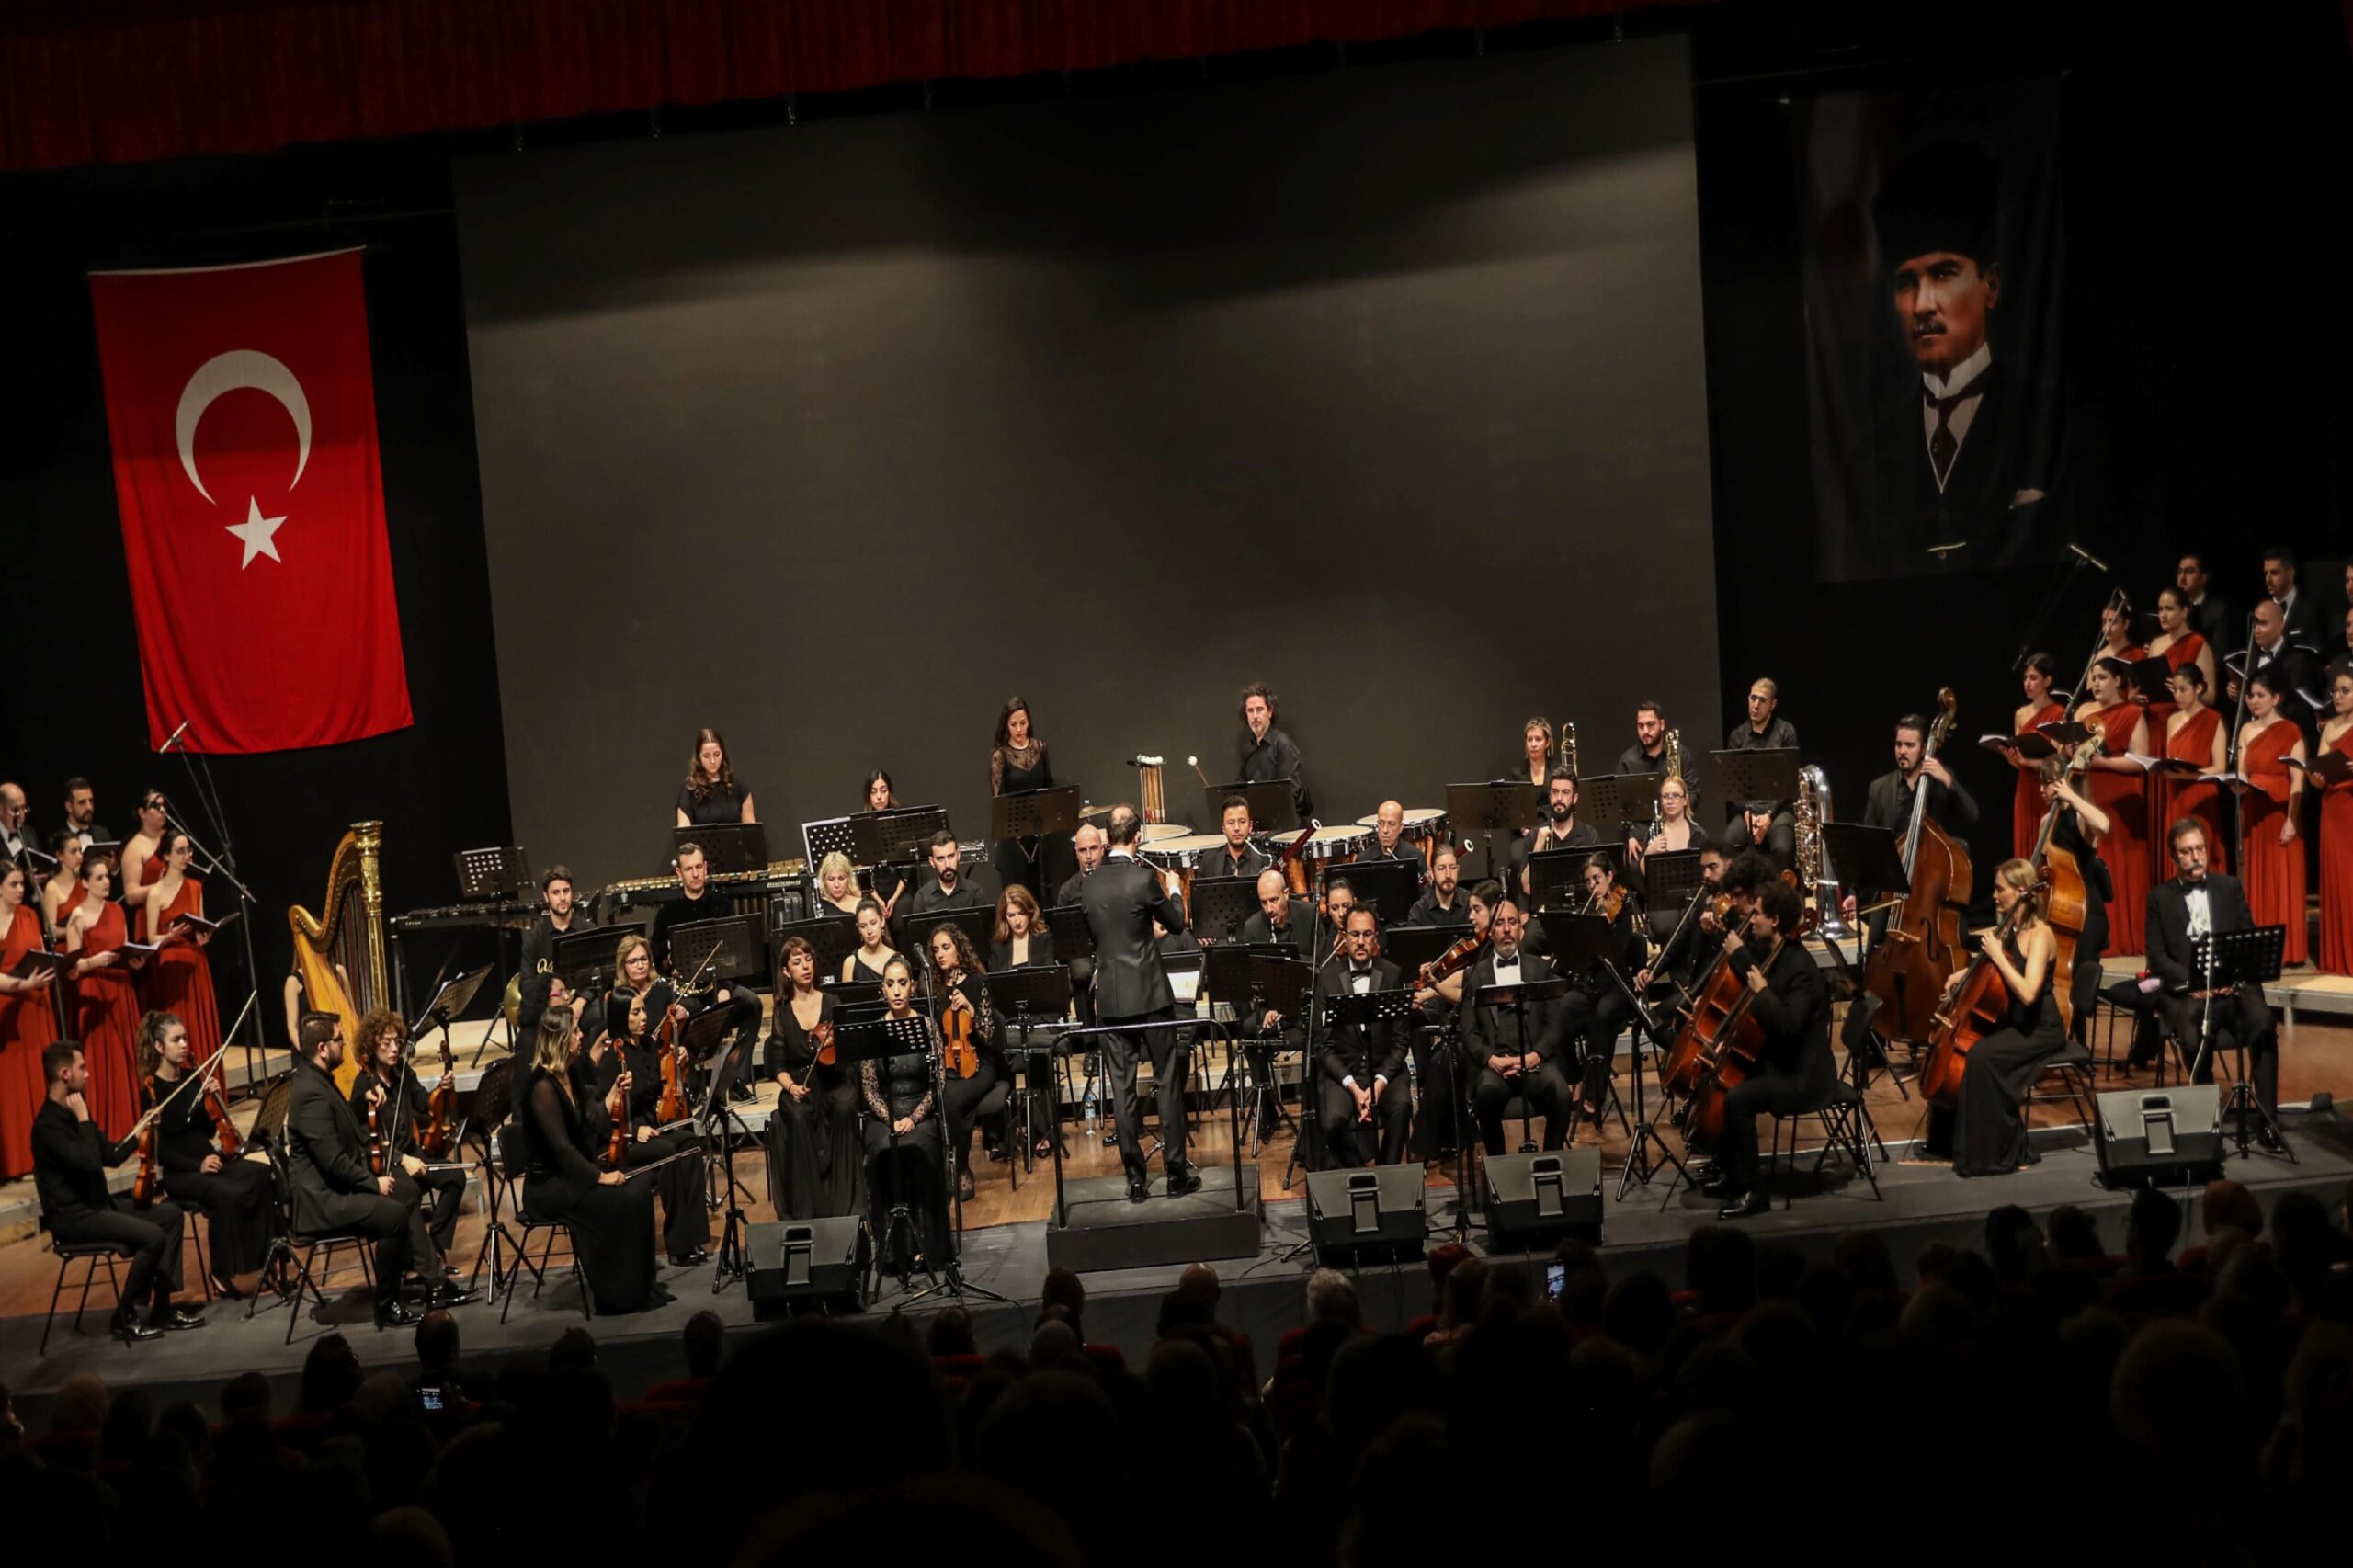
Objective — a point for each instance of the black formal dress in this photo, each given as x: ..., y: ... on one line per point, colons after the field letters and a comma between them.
x: 1038, y: 862
x: 720, y: 804
x: 612, y: 1227
x: 1121, y: 900
x: 239, y: 1202
x: 1596, y: 1011
x: 1989, y: 1130
x: 962, y: 1096
x: 1371, y: 1058
x: 70, y: 1161
x: 1515, y: 1031
x: 814, y: 1168
x: 2243, y: 1017
x: 326, y: 1166
x: 686, y: 1218
x: 405, y: 1106
x: 1796, y: 1070
x: 906, y: 1168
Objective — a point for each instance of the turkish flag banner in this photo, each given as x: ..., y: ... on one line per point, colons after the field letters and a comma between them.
x: 243, y: 413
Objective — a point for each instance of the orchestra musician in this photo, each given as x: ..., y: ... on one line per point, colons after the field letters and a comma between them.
x: 1765, y: 829
x: 1691, y: 943
x: 237, y: 1196
x: 1437, y: 1002
x: 1020, y: 937
x: 1280, y: 921
x: 838, y: 888
x: 1443, y: 902
x: 1890, y: 800
x: 27, y: 1025
x: 814, y: 1154
x: 326, y: 1167
x: 2079, y: 829
x: 2039, y: 709
x: 1989, y: 1123
x: 1763, y: 729
x: 1088, y: 844
x: 2196, y: 900
x: 887, y: 883
x: 1596, y: 1011
x: 1677, y: 832
x: 2336, y: 835
x: 1648, y: 754
x: 947, y: 889
x: 107, y: 1017
x: 1514, y: 1047
x: 2195, y: 734
x: 1264, y: 753
x: 1534, y: 765
x: 712, y: 795
x: 70, y: 1161
x: 181, y: 981
x: 1365, y: 1103
x: 1389, y: 840
x: 142, y: 861
x: 386, y: 1084
x: 700, y: 904
x: 963, y: 995
x: 623, y: 1072
x: 1791, y: 1005
x: 1017, y: 762
x: 1237, y: 857
x: 1122, y: 901
x: 564, y: 1134
x: 2271, y: 809
x: 903, y: 1135
x: 2210, y: 616
x: 874, y: 950
x: 2117, y: 785
x: 1560, y: 830
x: 562, y: 915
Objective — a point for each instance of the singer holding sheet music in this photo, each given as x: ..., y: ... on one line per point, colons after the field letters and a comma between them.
x: 1122, y: 901
x: 27, y: 1025
x: 2336, y: 831
x: 182, y: 981
x: 2197, y: 901
x: 2039, y: 709
x: 2118, y: 786
x: 2271, y: 813
x: 108, y: 995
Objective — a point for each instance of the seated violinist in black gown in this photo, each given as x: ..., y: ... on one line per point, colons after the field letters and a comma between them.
x: 1596, y: 1010
x: 1989, y: 1126
x: 903, y: 1142
x: 964, y: 998
x: 629, y: 1048
x: 235, y: 1195
x: 564, y: 1134
x: 387, y: 1084
x: 814, y: 1156
x: 1795, y: 1069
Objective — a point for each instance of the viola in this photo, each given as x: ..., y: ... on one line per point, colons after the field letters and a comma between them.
x: 440, y: 1109
x: 1922, y: 946
x: 962, y: 1058
x: 1461, y: 955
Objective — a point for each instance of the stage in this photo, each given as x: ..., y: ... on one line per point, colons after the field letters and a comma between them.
x: 1918, y: 1204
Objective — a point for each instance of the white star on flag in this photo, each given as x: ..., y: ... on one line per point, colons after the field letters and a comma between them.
x: 259, y: 534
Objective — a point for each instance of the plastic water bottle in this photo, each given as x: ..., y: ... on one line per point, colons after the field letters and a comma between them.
x: 1092, y: 1111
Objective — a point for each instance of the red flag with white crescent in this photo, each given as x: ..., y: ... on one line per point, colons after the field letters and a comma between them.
x: 243, y: 412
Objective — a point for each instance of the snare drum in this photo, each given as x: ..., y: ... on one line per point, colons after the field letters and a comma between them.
x: 1180, y: 855
x: 1425, y: 827
x: 1325, y: 847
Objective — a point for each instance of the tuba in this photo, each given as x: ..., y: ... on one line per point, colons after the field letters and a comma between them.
x: 1813, y: 865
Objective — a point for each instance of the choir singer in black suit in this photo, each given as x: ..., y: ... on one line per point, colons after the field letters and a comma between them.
x: 327, y: 1166
x: 2195, y: 902
x: 1365, y: 1088
x: 1122, y: 900
x: 1515, y: 1055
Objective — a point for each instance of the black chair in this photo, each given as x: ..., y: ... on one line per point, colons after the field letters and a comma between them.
x: 300, y: 1249
x: 2072, y: 1067
x: 2124, y: 998
x: 89, y: 1255
x: 555, y: 1230
x: 1846, y: 1127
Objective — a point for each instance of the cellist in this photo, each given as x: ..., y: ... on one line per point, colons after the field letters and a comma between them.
x: 1888, y: 801
x: 387, y: 1082
x: 1989, y: 1129
x: 1795, y: 1069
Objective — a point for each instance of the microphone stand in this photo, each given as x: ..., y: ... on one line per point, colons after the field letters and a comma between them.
x: 2230, y: 755
x: 223, y: 863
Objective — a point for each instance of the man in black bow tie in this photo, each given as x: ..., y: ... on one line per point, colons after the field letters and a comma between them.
x: 2195, y: 902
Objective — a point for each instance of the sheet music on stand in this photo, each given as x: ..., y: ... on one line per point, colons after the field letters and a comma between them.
x: 827, y: 836
x: 1412, y: 946
x: 1365, y: 1009
x: 1072, y: 937
x: 1616, y: 798
x: 737, y: 939
x: 1388, y: 886
x: 1741, y: 776
x: 1673, y: 876
x: 582, y: 958
x: 1494, y: 808
x: 900, y: 836
x: 702, y: 1034
x: 2252, y: 957
x: 498, y: 871
x: 728, y: 846
x: 1220, y: 905
x: 1033, y: 813
x: 834, y: 937
x: 1556, y: 877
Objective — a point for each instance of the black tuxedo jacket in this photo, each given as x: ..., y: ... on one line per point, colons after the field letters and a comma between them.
x: 2171, y: 957
x: 1121, y: 900
x: 2212, y: 619
x: 1495, y: 1031
x: 2010, y: 456
x: 1353, y: 1052
x: 326, y: 1154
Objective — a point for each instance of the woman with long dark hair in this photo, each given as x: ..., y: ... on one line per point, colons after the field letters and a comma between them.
x: 712, y: 794
x: 903, y: 1147
x: 564, y: 1134
x: 888, y: 881
x: 235, y: 1196
x: 812, y: 1132
x: 182, y: 981
x: 1017, y: 763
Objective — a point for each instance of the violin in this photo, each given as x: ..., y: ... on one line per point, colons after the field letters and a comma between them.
x: 672, y: 1107
x: 377, y: 1153
x: 216, y: 1105
x: 440, y: 1109
x: 617, y: 1110
x: 150, y: 1179
x: 1459, y: 956
x: 822, y: 1037
x: 149, y: 1182
x: 962, y: 1060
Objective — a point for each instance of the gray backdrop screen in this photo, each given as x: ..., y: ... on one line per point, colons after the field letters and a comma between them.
x: 1385, y: 386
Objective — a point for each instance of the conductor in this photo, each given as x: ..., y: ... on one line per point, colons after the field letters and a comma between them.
x: 1122, y: 900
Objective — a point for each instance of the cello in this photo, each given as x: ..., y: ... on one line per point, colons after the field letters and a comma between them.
x: 1729, y: 1059
x: 1922, y: 947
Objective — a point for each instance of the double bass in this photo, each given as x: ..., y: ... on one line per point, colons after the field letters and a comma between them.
x: 1922, y: 946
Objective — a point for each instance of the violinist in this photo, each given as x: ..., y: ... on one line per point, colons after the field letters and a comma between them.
x: 386, y: 1096
x: 1989, y: 1126
x: 70, y: 1161
x: 813, y: 1130
x: 1437, y: 1001
x: 626, y: 1065
x: 1791, y: 1005
x: 1595, y: 1009
x: 562, y: 1134
x: 964, y: 1003
x: 234, y: 1192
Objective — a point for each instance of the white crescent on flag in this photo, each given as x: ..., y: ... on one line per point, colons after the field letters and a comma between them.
x: 227, y: 372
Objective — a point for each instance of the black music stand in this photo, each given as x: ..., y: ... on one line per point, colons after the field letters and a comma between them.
x: 1671, y: 877
x: 976, y: 923
x: 498, y: 871
x: 1388, y: 886
x: 1227, y: 976
x: 1033, y: 813
x: 1220, y: 906
x: 727, y: 949
x: 1868, y: 863
x: 1738, y: 777
x: 577, y: 956
x: 1556, y: 877
x: 730, y: 846
x: 1493, y: 809
x: 858, y: 1041
x: 901, y: 835
x: 1619, y: 798
x: 1517, y: 998
x: 2221, y: 959
x: 1274, y: 803
x: 852, y: 992
x: 1287, y: 983
x: 1410, y: 947
x: 1581, y: 941
x: 834, y: 937
x: 700, y: 1038
x: 1027, y: 997
x: 825, y: 836
x: 1366, y: 1010
x: 1072, y: 937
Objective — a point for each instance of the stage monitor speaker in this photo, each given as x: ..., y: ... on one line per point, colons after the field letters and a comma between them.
x: 1535, y: 1198
x: 805, y: 1261
x: 1351, y: 1213
x: 2163, y: 1135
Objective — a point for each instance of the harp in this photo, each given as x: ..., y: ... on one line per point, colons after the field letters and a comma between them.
x: 340, y: 954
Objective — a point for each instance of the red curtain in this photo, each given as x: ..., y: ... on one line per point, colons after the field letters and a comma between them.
x: 122, y: 81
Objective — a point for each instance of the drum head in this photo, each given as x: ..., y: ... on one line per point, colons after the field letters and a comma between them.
x: 1184, y: 849
x: 1153, y: 832
x: 1330, y: 842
